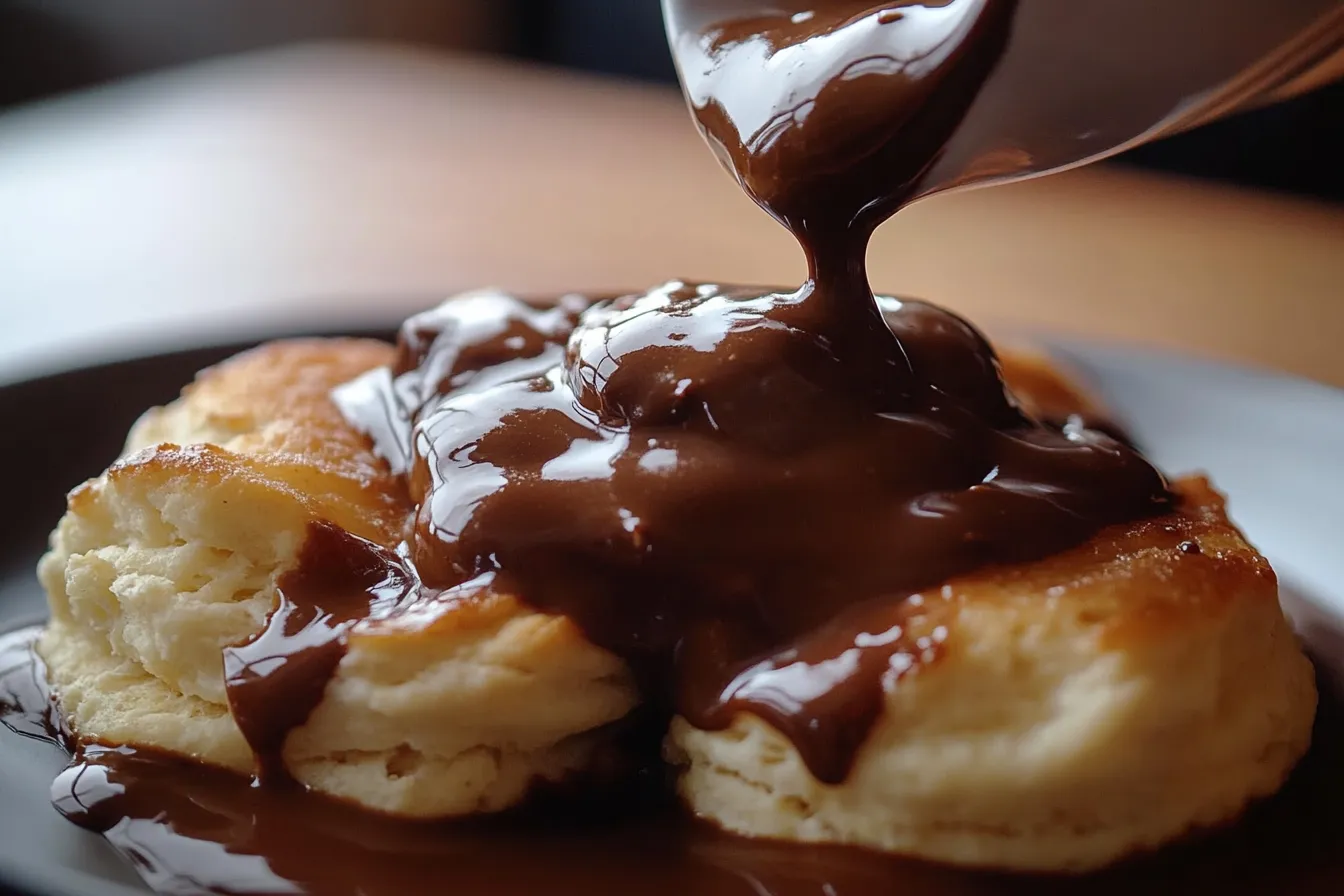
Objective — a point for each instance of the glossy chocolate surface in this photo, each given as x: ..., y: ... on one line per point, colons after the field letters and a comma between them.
x: 1077, y: 80
x: 735, y: 504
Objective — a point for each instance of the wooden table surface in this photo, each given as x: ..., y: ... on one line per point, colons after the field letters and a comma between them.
x: 328, y: 186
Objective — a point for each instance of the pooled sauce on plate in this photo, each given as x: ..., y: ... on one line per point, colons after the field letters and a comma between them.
x: 191, y: 829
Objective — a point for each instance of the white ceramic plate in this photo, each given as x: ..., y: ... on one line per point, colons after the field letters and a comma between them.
x: 1273, y: 444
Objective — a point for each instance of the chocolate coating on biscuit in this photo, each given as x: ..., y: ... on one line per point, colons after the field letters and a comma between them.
x: 277, y: 678
x: 737, y: 491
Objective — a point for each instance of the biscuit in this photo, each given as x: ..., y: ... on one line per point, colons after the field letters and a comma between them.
x: 1086, y: 706
x: 174, y: 552
x: 1091, y: 705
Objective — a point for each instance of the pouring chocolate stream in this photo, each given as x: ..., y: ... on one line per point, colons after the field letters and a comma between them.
x: 1076, y: 81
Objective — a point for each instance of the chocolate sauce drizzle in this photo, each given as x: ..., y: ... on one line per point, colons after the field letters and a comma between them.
x: 737, y: 491
x: 719, y: 497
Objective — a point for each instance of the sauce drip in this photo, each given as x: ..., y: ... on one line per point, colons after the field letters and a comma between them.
x: 275, y: 680
x: 737, y: 505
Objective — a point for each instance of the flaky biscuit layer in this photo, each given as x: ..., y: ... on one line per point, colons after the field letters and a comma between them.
x: 174, y: 552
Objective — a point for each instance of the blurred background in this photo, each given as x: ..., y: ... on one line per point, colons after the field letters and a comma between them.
x: 50, y: 46
x: 180, y: 172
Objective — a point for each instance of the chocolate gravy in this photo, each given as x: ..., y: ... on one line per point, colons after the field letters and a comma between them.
x: 738, y: 491
x: 190, y: 829
x: 736, y: 503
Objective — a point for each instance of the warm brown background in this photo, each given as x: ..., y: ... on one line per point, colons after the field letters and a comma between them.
x: 320, y: 186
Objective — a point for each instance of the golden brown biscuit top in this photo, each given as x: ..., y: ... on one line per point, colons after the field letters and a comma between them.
x: 269, y: 417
